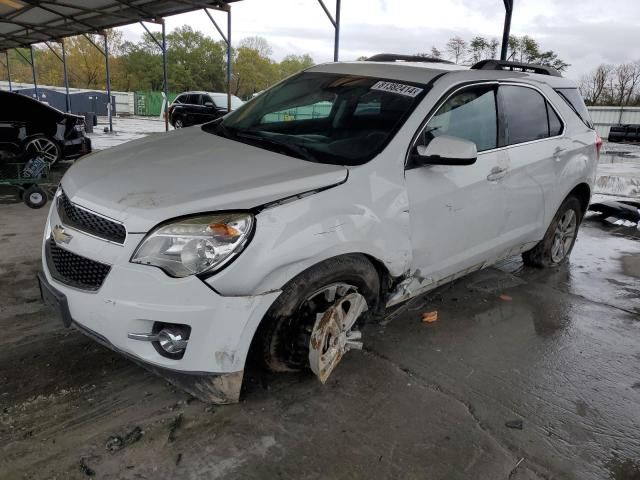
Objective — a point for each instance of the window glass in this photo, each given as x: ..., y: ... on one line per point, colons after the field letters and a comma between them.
x: 525, y: 114
x: 312, y: 116
x: 555, y: 124
x: 221, y: 101
x: 180, y: 99
x: 207, y: 98
x: 470, y: 114
x: 574, y: 99
x: 300, y: 112
x: 193, y: 99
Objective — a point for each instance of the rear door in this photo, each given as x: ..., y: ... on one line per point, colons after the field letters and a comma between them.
x: 533, y: 137
x: 209, y: 109
x: 192, y: 109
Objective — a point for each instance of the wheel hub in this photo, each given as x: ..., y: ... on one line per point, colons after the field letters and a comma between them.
x: 332, y: 335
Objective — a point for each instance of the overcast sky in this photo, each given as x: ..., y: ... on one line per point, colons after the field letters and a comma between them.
x: 584, y: 33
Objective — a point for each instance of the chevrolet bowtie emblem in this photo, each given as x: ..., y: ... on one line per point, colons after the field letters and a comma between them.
x: 59, y: 235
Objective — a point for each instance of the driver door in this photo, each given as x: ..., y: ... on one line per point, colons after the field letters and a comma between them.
x: 457, y: 212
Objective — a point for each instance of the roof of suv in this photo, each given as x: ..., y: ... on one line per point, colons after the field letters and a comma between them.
x: 424, y: 72
x: 202, y: 92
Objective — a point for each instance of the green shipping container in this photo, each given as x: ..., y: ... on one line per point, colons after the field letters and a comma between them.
x: 149, y: 103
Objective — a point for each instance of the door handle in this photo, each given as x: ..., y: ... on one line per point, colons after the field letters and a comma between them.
x: 496, y: 174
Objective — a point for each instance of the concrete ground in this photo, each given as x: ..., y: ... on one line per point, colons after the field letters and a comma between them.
x: 557, y: 350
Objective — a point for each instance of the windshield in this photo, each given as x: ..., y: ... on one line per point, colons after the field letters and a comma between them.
x: 324, y: 117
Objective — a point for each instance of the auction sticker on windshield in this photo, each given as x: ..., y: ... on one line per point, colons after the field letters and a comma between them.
x: 391, y: 87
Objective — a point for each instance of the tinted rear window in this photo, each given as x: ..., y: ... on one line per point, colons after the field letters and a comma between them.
x: 525, y: 112
x: 574, y: 99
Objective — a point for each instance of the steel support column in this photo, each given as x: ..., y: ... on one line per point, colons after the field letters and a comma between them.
x: 165, y: 77
x: 33, y: 72
x: 63, y: 59
x: 6, y: 55
x: 66, y: 76
x: 227, y: 41
x: 508, y: 7
x: 336, y: 26
x: 229, y: 62
x: 162, y: 45
x: 106, y: 56
x: 336, y: 39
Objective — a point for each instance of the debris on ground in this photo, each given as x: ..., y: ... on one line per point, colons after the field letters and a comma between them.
x: 430, y: 317
x: 515, y: 424
x: 506, y: 298
x: 116, y: 442
x: 84, y: 468
x: 619, y: 212
x: 178, y: 459
x: 177, y: 422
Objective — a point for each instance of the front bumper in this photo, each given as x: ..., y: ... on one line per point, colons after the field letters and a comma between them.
x: 133, y: 297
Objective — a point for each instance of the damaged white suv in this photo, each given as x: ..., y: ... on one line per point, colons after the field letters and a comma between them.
x: 345, y: 189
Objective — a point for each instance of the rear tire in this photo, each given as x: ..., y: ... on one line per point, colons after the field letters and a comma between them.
x: 283, y: 337
x: 554, y: 249
x: 177, y: 123
x: 44, y: 146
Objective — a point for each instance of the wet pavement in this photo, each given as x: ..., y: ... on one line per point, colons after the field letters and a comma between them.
x: 557, y: 350
x: 125, y: 129
x: 619, y: 170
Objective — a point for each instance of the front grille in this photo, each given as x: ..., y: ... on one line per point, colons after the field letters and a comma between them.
x: 74, y: 270
x: 89, y: 222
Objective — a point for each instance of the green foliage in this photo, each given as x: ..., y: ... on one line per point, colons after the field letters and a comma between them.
x: 194, y: 62
x: 293, y: 64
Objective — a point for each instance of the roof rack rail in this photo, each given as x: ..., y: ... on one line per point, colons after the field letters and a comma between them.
x: 392, y: 57
x: 515, y: 67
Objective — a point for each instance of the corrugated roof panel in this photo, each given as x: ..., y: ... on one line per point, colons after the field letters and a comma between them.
x: 24, y: 22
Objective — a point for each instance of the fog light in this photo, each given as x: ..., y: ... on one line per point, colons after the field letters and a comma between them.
x: 169, y: 339
x: 172, y: 340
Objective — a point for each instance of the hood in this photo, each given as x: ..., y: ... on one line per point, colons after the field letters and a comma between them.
x: 163, y: 176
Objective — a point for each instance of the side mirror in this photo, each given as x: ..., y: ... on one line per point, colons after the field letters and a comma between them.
x: 447, y: 150
x: 209, y: 104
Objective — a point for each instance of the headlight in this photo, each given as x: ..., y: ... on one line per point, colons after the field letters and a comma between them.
x: 195, y: 245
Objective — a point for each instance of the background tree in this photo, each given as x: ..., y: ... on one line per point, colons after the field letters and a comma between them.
x: 252, y: 72
x: 593, y: 86
x: 259, y: 44
x: 456, y: 48
x: 478, y: 49
x: 293, y: 64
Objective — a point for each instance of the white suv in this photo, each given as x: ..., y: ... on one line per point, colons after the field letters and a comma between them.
x: 344, y: 189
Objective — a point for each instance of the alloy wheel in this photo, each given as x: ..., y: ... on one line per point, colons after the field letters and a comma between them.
x: 44, y: 147
x: 336, y: 308
x: 564, y: 236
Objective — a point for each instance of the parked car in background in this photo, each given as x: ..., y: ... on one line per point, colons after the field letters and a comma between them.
x: 194, y: 108
x: 30, y: 127
x: 347, y: 188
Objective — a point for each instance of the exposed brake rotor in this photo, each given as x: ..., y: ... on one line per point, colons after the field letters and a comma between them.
x: 332, y: 335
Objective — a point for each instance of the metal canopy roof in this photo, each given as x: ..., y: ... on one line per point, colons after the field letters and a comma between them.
x: 25, y: 22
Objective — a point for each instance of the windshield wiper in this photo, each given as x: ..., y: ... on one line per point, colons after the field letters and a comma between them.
x: 281, y: 147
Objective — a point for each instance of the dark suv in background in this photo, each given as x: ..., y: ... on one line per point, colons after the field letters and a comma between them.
x: 194, y: 108
x: 30, y: 127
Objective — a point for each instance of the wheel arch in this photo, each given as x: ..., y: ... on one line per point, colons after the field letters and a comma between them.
x: 582, y: 192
